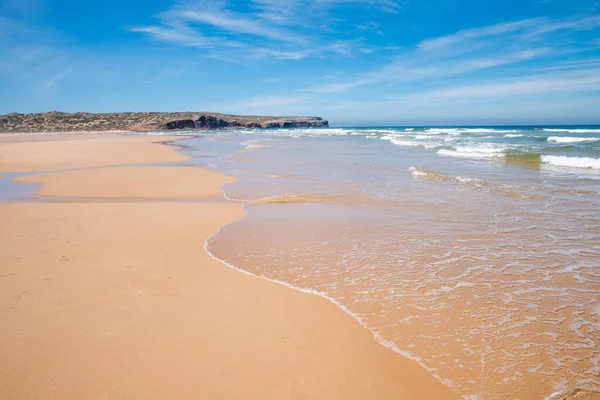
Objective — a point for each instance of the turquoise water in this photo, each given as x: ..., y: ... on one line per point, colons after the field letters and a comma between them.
x: 474, y: 251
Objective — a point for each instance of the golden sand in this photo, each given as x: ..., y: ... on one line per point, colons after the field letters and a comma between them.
x: 53, y: 153
x: 132, y: 182
x: 120, y: 300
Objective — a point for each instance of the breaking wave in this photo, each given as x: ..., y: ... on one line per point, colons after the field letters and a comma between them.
x: 578, y: 130
x: 570, y: 139
x: 572, y: 162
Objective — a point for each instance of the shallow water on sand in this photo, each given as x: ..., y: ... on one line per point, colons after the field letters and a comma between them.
x: 484, y: 268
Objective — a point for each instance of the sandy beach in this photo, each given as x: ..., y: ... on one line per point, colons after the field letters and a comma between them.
x: 119, y: 299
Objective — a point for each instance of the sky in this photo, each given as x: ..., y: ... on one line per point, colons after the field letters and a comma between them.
x: 353, y: 62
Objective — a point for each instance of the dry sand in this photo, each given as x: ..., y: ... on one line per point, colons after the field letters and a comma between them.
x: 120, y: 301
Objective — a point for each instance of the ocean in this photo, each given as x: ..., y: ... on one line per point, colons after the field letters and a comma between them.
x: 474, y: 251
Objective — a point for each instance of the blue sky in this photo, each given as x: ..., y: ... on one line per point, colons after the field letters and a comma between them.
x: 351, y: 61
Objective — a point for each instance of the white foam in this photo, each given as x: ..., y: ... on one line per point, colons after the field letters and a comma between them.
x: 513, y: 135
x: 462, y: 179
x: 328, y: 132
x: 473, y: 152
x: 438, y: 131
x: 485, y: 130
x: 376, y: 336
x: 398, y: 142
x: 572, y: 162
x: 417, y: 172
x: 572, y: 130
x: 310, y: 132
x: 393, y: 136
x: 372, y: 131
x: 570, y: 139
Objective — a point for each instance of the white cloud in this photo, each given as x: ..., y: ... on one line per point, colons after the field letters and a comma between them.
x: 180, y: 34
x: 236, y: 23
x: 553, y: 96
x: 281, y: 54
x: 283, y: 29
x: 476, y: 33
x: 571, y: 82
x: 469, y: 51
x: 581, y: 24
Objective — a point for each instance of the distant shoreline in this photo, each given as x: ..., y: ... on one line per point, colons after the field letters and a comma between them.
x: 83, y: 122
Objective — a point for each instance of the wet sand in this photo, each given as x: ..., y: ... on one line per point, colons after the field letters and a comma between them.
x: 132, y: 182
x: 54, y: 153
x: 120, y: 300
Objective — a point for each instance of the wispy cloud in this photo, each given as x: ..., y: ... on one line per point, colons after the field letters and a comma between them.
x: 177, y: 33
x: 236, y: 23
x: 469, y: 51
x: 570, y: 82
x: 284, y: 29
x: 476, y: 33
x: 548, y: 94
x: 305, y: 12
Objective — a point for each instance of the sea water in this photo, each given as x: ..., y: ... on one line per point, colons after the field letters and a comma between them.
x: 474, y: 251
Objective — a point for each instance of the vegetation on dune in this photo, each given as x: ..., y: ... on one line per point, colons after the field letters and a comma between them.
x: 56, y: 121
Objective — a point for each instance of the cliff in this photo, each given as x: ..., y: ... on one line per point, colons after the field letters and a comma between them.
x: 56, y: 121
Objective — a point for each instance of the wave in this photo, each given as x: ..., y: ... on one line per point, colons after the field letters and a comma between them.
x: 375, y: 131
x: 532, y: 160
x: 579, y: 130
x: 416, y: 171
x: 422, y: 174
x: 425, y: 145
x: 529, y: 159
x: 291, y: 198
x: 572, y: 162
x: 310, y: 132
x: 438, y: 131
x: 464, y: 179
x: 571, y: 139
x: 473, y: 152
x: 328, y: 132
x: 486, y: 130
x: 458, y: 131
x: 432, y: 176
x: 250, y: 145
x: 513, y: 135
x: 398, y: 142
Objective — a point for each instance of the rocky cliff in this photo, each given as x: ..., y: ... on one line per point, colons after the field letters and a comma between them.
x: 56, y: 121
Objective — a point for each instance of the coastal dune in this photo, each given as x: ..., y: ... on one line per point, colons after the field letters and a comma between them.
x: 119, y: 299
